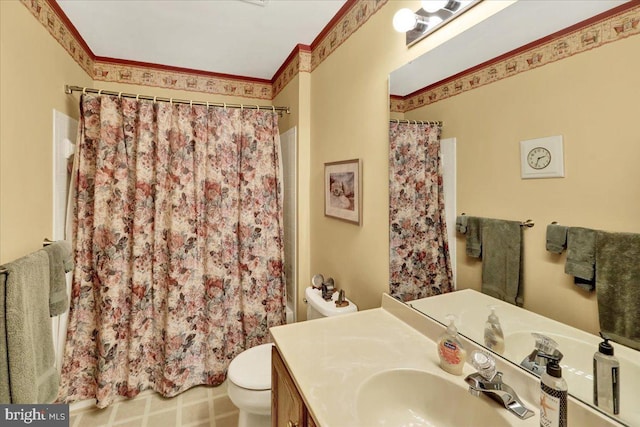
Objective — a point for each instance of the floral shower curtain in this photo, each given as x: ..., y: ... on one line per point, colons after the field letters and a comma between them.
x: 419, y: 264
x: 178, y: 246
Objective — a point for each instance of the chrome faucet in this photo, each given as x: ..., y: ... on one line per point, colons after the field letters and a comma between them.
x: 536, y: 363
x: 488, y: 381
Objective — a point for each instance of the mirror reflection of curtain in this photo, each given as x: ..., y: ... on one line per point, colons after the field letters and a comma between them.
x: 419, y: 263
x: 178, y: 242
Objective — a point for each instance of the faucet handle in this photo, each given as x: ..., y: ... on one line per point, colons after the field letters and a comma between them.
x: 484, y: 364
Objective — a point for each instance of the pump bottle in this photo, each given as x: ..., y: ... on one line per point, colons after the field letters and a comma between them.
x: 452, y: 354
x: 606, y: 378
x: 493, y: 335
x: 553, y: 395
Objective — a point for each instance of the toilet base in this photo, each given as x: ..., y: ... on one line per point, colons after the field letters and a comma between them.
x: 246, y: 419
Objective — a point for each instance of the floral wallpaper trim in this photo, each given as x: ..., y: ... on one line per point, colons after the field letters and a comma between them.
x: 57, y: 26
x: 353, y: 19
x: 194, y: 82
x: 298, y: 61
x: 591, y: 36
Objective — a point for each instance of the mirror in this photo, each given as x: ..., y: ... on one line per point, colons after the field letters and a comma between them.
x: 550, y: 99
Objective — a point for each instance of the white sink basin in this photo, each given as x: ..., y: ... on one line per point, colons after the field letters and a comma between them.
x: 412, y: 398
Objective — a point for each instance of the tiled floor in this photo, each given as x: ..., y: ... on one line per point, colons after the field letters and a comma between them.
x: 198, y: 407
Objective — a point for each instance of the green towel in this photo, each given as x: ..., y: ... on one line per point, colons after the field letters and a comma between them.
x: 581, y: 256
x: 618, y: 286
x: 59, y: 258
x: 502, y: 260
x: 33, y: 377
x: 556, y: 238
x: 474, y: 237
x: 461, y: 224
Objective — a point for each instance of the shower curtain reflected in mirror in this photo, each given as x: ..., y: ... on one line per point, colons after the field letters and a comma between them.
x: 419, y: 263
x: 178, y: 246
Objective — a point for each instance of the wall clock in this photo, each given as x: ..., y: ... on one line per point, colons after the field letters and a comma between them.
x: 542, y: 158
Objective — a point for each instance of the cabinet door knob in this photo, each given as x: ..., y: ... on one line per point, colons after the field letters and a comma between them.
x: 292, y: 424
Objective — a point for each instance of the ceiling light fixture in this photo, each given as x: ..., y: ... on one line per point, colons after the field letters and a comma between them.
x: 434, y: 14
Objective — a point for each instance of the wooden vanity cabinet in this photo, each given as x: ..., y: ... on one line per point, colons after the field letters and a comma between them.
x: 287, y: 407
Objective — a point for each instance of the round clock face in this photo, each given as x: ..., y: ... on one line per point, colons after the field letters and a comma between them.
x: 539, y: 158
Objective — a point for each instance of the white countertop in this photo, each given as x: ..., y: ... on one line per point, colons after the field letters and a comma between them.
x: 330, y: 358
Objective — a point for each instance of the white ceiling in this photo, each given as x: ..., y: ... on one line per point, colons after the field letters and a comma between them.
x: 238, y: 37
x: 517, y: 25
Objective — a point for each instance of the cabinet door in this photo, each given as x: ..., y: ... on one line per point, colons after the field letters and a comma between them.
x: 287, y: 406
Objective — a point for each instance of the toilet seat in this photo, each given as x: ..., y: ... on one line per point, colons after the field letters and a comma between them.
x: 251, y: 369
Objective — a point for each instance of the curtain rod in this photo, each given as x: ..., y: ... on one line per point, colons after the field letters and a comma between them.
x: 70, y: 89
x: 416, y: 122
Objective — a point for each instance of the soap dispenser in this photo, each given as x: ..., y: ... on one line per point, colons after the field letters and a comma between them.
x: 606, y: 378
x: 452, y: 354
x: 553, y: 395
x: 493, y: 335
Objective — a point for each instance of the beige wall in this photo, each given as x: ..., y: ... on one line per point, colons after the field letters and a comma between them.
x: 591, y: 99
x: 33, y: 71
x: 349, y: 119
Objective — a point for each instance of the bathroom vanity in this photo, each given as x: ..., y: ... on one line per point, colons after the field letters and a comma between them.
x: 288, y: 409
x: 577, y: 347
x: 381, y: 366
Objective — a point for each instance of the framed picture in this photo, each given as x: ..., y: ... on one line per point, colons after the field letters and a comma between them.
x: 542, y: 158
x: 342, y: 190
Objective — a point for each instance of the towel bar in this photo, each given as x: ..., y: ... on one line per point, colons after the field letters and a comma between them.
x: 528, y: 223
x: 45, y: 242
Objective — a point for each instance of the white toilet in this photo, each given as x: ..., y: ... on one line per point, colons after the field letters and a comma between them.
x: 249, y: 374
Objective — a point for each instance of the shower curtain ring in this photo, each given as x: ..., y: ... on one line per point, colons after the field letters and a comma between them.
x: 154, y: 99
x: 137, y: 97
x: 224, y: 105
x: 100, y: 92
x: 84, y: 90
x: 191, y: 103
x: 119, y: 95
x: 241, y: 107
x: 258, y: 107
x: 273, y: 108
x: 171, y: 101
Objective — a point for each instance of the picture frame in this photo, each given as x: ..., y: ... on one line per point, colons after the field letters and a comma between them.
x: 343, y: 190
x: 542, y: 157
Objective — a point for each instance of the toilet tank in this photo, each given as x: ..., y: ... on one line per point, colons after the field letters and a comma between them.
x: 317, y: 307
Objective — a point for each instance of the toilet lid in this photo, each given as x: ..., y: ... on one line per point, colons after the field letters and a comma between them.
x: 251, y: 369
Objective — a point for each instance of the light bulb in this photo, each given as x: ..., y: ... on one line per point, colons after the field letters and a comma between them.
x: 404, y: 20
x: 433, y: 6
